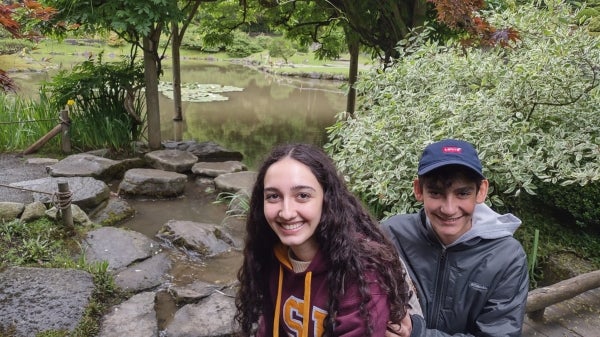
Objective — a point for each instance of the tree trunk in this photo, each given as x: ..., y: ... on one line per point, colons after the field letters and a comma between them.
x: 352, y: 77
x: 353, y: 46
x: 177, y: 109
x: 152, y: 106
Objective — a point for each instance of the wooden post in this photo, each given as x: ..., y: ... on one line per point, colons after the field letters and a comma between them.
x: 65, y: 123
x: 64, y: 205
x: 55, y: 131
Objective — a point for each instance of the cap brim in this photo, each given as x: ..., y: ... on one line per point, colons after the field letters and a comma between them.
x: 432, y: 167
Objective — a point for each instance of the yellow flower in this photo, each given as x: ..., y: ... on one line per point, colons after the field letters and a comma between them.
x: 71, y: 102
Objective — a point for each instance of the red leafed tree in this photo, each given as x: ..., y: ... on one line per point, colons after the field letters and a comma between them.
x: 20, y: 19
x: 461, y: 15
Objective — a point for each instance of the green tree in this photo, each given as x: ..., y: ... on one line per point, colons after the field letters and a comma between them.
x: 138, y: 22
x: 379, y: 26
x: 531, y: 110
x: 283, y: 48
x: 208, y: 16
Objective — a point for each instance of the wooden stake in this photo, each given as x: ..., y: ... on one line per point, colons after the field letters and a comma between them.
x: 65, y: 123
x: 64, y: 205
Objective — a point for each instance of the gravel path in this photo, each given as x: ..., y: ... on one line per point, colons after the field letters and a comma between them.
x: 14, y: 168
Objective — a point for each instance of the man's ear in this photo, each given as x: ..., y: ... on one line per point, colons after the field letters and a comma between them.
x: 417, y: 190
x: 483, y: 189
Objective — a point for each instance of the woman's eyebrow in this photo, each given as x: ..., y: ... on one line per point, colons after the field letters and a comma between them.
x: 294, y: 188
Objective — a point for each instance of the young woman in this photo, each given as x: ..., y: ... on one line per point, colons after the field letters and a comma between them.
x: 315, y: 262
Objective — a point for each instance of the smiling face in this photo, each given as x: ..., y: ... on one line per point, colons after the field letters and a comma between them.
x: 450, y: 207
x: 293, y: 203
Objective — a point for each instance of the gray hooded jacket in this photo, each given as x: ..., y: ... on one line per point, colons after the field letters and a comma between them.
x: 477, y: 286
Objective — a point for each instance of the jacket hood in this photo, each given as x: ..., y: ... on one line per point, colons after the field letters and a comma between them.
x: 487, y: 224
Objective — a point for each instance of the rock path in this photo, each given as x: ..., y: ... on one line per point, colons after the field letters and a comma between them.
x: 33, y: 300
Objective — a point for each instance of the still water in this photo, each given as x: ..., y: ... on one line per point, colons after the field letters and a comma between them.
x: 269, y: 110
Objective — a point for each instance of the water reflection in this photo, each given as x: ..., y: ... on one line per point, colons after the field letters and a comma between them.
x: 270, y: 110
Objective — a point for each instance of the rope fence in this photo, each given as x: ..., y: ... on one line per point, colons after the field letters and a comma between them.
x: 25, y: 189
x: 60, y: 199
x: 31, y: 121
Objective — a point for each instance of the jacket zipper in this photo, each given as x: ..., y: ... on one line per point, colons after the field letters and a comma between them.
x: 440, y: 291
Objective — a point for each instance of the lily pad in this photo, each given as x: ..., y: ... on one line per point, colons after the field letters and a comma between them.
x: 198, y: 92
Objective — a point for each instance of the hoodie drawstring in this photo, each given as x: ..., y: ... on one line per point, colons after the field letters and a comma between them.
x: 306, y: 309
x: 278, y: 304
x: 305, y: 306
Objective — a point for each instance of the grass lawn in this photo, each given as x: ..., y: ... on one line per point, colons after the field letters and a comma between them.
x: 53, y: 54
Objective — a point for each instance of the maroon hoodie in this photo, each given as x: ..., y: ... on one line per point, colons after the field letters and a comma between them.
x: 301, y: 301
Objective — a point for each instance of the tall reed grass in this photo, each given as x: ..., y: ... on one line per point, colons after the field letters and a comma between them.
x: 101, y: 92
x: 23, y: 121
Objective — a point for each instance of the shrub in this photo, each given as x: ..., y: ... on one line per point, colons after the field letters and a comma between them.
x: 580, y: 203
x: 11, y: 46
x: 281, y: 47
x: 108, y: 101
x: 192, y: 39
x: 242, y: 45
x: 594, y: 24
x: 531, y: 110
x: 263, y: 41
x: 115, y: 40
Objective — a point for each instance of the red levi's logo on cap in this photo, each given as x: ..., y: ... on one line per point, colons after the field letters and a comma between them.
x: 452, y: 149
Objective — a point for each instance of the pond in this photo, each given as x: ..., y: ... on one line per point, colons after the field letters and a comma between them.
x: 269, y: 110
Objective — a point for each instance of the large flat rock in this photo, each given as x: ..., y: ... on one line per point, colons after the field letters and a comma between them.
x: 152, y: 183
x: 33, y: 300
x: 86, y: 165
x: 87, y: 192
x: 119, y: 247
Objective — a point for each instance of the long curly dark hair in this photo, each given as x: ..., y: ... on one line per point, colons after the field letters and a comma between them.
x: 348, y: 236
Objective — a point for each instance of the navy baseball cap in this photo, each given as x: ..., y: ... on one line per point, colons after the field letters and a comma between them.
x: 449, y: 152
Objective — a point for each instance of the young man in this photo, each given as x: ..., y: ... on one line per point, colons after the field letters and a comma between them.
x: 470, y: 274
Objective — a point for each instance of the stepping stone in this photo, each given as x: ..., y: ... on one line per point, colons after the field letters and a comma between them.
x: 215, y: 169
x: 237, y: 182
x: 86, y: 165
x: 171, y: 160
x: 88, y: 192
x: 153, y: 183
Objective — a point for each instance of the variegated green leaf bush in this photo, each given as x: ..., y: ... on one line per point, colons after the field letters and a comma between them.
x: 532, y: 111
